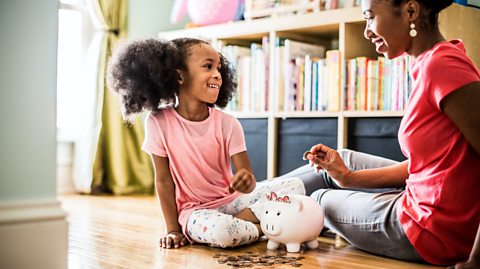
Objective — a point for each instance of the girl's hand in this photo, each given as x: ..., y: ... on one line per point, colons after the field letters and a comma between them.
x: 243, y: 181
x: 329, y: 160
x: 173, y: 240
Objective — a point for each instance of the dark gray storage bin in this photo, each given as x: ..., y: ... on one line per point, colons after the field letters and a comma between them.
x: 296, y: 135
x: 376, y: 136
x: 256, y: 135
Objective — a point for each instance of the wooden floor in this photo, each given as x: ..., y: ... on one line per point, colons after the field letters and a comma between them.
x: 123, y: 232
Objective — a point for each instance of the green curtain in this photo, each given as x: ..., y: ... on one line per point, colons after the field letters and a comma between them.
x: 120, y: 167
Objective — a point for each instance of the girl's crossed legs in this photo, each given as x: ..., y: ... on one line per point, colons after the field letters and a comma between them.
x: 220, y: 228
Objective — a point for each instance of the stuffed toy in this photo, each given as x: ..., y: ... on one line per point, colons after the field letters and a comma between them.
x: 205, y: 12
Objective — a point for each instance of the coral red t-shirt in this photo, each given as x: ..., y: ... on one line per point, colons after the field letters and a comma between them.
x: 198, y: 154
x: 440, y: 210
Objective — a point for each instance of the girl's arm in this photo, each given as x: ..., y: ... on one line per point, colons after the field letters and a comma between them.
x: 243, y: 180
x: 463, y: 108
x: 330, y: 160
x: 165, y: 189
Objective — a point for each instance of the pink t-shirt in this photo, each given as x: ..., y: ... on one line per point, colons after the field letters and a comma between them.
x: 199, y: 156
x: 441, y: 207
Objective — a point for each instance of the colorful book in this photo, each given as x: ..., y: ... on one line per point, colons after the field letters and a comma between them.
x: 333, y: 69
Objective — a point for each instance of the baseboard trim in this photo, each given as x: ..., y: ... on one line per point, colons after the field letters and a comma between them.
x: 33, y: 234
x: 30, y: 211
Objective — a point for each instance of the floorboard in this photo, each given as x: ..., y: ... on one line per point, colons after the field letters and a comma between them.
x: 123, y: 232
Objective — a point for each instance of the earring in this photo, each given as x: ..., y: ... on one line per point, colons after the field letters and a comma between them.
x: 413, y: 32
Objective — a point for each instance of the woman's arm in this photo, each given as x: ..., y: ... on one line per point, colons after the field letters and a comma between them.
x: 243, y: 180
x: 385, y: 177
x: 165, y: 189
x: 463, y: 108
x: 330, y: 160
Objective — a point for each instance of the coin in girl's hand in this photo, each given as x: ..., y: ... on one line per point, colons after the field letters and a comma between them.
x: 230, y: 189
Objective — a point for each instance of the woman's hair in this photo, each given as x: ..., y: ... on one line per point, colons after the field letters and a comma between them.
x: 144, y: 74
x: 432, y: 6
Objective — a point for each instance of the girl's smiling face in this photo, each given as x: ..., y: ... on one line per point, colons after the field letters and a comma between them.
x: 387, y: 27
x: 202, y: 80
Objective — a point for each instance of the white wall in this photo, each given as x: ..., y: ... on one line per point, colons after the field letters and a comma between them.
x: 148, y: 17
x: 28, y: 55
x: 33, y: 230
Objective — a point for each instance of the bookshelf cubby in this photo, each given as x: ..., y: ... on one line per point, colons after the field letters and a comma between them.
x: 277, y: 139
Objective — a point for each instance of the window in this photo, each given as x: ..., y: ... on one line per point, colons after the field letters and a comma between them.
x: 74, y: 34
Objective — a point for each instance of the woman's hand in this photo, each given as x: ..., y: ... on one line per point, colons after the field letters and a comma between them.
x: 329, y: 160
x: 474, y: 259
x: 467, y: 265
x: 243, y: 181
x: 173, y: 240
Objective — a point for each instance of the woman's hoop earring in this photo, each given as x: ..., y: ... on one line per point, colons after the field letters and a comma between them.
x: 413, y: 32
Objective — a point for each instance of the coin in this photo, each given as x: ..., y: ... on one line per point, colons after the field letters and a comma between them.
x: 295, y: 264
x: 256, y: 260
x: 232, y: 258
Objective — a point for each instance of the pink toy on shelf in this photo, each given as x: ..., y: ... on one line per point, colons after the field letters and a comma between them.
x: 205, y: 12
x: 291, y: 220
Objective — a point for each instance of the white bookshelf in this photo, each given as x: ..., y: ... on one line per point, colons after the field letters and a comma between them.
x: 325, y: 21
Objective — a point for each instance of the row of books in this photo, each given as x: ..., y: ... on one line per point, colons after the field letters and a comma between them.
x: 377, y: 84
x: 306, y: 77
x: 252, y: 69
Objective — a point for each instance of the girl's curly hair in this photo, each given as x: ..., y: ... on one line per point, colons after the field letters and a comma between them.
x: 144, y: 74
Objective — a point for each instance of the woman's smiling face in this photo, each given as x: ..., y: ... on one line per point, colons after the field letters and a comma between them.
x: 387, y: 27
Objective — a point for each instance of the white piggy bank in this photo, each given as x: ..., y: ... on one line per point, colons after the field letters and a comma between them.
x: 291, y: 220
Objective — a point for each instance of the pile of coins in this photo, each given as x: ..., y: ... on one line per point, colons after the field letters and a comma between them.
x: 251, y: 259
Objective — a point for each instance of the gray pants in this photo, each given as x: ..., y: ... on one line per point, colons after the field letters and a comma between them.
x: 366, y: 218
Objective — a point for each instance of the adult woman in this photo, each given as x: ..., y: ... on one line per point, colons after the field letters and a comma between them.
x: 436, y: 216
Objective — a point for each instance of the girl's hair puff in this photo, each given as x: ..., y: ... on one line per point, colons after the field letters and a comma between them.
x: 144, y: 73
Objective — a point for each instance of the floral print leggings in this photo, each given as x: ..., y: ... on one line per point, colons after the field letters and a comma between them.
x: 219, y: 228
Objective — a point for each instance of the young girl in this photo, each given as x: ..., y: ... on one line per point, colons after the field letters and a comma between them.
x: 191, y: 142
